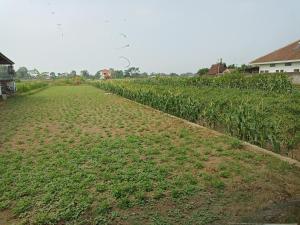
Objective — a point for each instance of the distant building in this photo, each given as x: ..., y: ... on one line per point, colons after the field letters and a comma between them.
x: 217, y: 69
x: 286, y: 59
x: 106, y: 74
x: 7, y: 74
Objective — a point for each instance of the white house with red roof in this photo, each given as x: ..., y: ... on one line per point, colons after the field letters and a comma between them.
x: 286, y: 59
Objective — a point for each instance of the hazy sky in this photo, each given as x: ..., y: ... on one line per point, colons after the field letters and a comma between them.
x: 164, y: 35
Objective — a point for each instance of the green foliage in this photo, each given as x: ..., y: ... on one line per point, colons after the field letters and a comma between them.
x: 76, y: 80
x: 236, y: 144
x: 278, y: 83
x: 27, y: 86
x: 104, y: 207
x: 22, y: 205
x: 132, y: 72
x: 84, y: 73
x: 263, y: 117
x: 202, y: 71
x: 22, y: 73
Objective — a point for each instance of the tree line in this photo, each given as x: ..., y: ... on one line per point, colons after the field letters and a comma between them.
x: 23, y: 73
x: 134, y: 72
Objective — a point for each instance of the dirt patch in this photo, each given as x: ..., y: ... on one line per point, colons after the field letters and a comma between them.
x: 279, y: 212
x: 295, y: 153
x: 6, y: 217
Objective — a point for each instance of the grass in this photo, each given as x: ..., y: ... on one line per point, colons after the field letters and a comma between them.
x: 77, y: 155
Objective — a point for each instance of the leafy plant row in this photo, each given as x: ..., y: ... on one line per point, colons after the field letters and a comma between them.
x: 240, y: 117
x: 278, y: 83
x: 24, y: 87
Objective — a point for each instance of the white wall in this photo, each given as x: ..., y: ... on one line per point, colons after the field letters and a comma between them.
x: 280, y: 66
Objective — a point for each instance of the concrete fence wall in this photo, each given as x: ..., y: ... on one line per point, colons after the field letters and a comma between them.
x: 295, y: 77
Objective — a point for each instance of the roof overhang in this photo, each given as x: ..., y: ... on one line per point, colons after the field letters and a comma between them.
x: 4, y: 60
x: 275, y: 62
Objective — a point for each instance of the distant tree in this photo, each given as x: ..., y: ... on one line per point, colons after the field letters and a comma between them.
x: 84, y: 73
x: 188, y: 74
x: 243, y: 68
x: 52, y: 75
x: 117, y: 74
x: 98, y: 74
x: 43, y: 75
x: 144, y: 74
x: 22, y: 73
x: 36, y: 72
x: 231, y: 66
x: 174, y: 75
x: 202, y: 71
x: 73, y: 73
x: 132, y: 72
x: 65, y: 74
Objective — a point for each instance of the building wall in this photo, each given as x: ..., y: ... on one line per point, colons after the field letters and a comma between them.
x: 9, y: 84
x: 279, y: 67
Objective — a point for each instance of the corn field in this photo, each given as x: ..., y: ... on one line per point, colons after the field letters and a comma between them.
x: 278, y: 83
x: 263, y: 117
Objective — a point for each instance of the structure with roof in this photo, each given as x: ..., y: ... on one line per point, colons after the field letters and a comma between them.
x: 7, y: 73
x: 217, y: 68
x: 105, y: 74
x: 286, y: 59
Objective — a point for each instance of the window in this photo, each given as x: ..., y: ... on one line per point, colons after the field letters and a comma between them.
x: 281, y: 71
x: 261, y: 71
x: 272, y: 65
x: 288, y: 64
x: 277, y: 71
x: 266, y: 71
x: 296, y: 70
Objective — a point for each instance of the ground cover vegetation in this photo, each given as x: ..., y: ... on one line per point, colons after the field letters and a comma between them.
x: 80, y: 155
x: 262, y: 109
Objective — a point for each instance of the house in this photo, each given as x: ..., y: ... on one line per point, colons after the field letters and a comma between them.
x: 7, y: 73
x: 286, y: 59
x: 106, y: 74
x: 217, y: 69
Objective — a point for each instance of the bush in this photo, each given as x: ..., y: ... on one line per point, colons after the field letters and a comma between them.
x: 23, y: 87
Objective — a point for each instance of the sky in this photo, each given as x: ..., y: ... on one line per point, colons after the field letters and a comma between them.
x: 164, y: 35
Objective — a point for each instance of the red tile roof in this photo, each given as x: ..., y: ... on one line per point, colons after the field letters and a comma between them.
x: 289, y: 52
x: 217, y: 69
